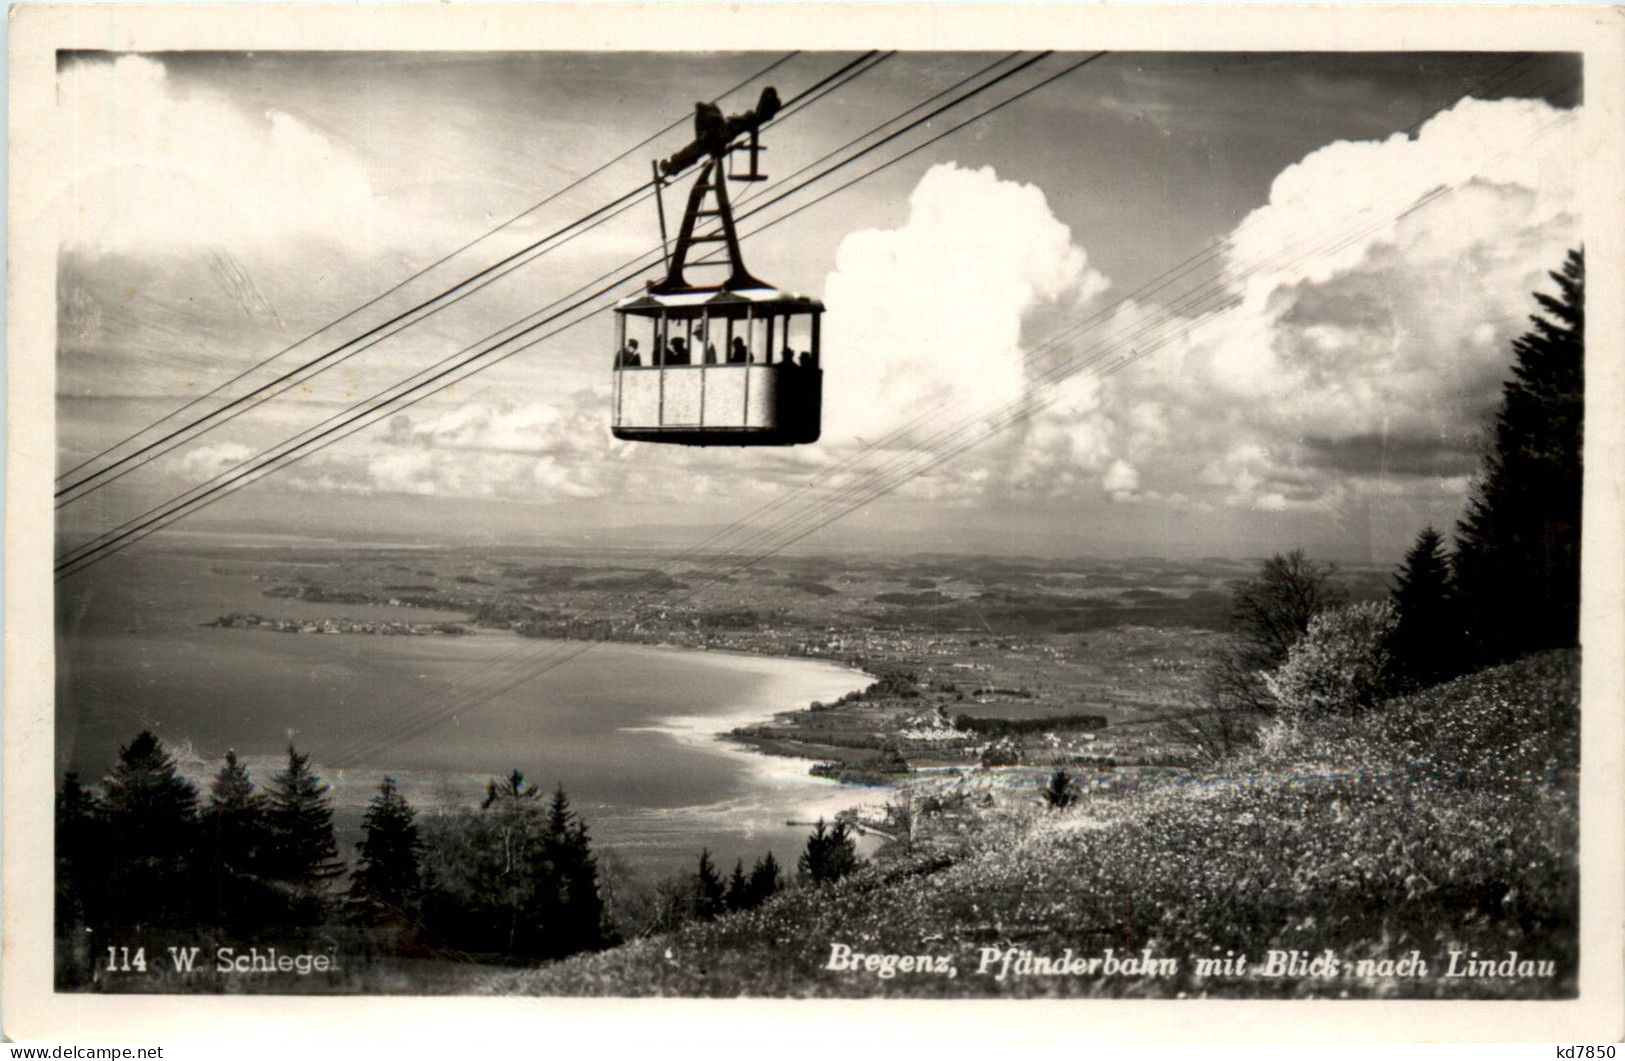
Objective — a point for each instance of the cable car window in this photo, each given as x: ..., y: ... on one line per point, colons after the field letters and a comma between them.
x: 756, y: 347
x: 706, y: 339
x: 657, y: 341
x: 798, y: 342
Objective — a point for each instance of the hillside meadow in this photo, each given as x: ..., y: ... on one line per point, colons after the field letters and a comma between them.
x: 1432, y: 833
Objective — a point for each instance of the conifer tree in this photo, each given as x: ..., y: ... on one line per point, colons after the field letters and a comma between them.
x: 387, y: 882
x: 151, y: 815
x: 578, y: 921
x: 235, y: 843
x: 81, y: 841
x: 738, y: 894
x: 709, y: 890
x: 830, y: 854
x: 1517, y: 561
x: 1426, y: 644
x: 766, y: 879
x: 303, y: 856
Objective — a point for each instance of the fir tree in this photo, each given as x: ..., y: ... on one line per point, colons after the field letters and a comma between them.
x: 81, y: 843
x: 303, y: 855
x: 709, y: 891
x: 1517, y: 561
x: 235, y: 843
x: 738, y: 896
x: 387, y: 882
x: 766, y: 879
x: 1426, y: 645
x: 830, y: 854
x: 578, y: 921
x: 151, y: 815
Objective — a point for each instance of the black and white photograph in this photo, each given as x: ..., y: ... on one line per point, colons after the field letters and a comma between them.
x: 792, y: 521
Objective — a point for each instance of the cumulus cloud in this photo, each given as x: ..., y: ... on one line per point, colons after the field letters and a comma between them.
x: 157, y: 166
x: 1372, y: 301
x: 206, y: 461
x: 478, y: 449
x: 929, y: 315
x: 1366, y: 334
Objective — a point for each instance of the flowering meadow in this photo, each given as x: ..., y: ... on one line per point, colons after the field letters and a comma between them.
x: 1421, y: 836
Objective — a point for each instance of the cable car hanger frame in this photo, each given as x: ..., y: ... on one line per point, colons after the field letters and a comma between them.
x: 741, y: 398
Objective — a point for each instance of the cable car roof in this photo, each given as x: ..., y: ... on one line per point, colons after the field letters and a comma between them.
x: 719, y: 302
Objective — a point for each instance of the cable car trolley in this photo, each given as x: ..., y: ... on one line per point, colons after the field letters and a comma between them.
x: 732, y: 363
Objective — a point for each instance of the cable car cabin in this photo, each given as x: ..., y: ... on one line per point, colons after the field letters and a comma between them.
x: 735, y: 363
x: 718, y: 368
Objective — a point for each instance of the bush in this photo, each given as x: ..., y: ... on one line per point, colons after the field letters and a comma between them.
x: 1061, y: 792
x: 1341, y: 664
x: 1002, y: 752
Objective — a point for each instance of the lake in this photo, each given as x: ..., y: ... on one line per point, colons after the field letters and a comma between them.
x: 628, y: 730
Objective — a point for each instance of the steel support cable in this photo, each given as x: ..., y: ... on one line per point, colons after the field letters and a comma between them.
x: 858, y: 67
x: 395, y: 326
x: 696, y: 551
x: 525, y: 256
x: 1011, y: 414
x: 1149, y: 287
x: 111, y: 538
x: 843, y: 76
x: 1018, y: 415
x: 838, y: 73
x: 425, y: 270
x: 1217, y: 294
x: 114, y: 536
x: 915, y: 108
x: 947, y: 132
x: 759, y: 229
x: 378, y: 333
x: 826, y: 156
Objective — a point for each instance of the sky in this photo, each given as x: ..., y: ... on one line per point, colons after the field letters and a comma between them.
x: 1315, y: 262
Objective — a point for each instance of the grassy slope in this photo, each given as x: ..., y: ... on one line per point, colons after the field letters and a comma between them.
x: 1446, y: 820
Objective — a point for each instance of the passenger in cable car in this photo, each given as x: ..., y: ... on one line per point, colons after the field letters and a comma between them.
x: 789, y: 356
x: 737, y: 352
x: 806, y: 359
x: 629, y: 354
x: 678, y: 353
x: 710, y: 348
